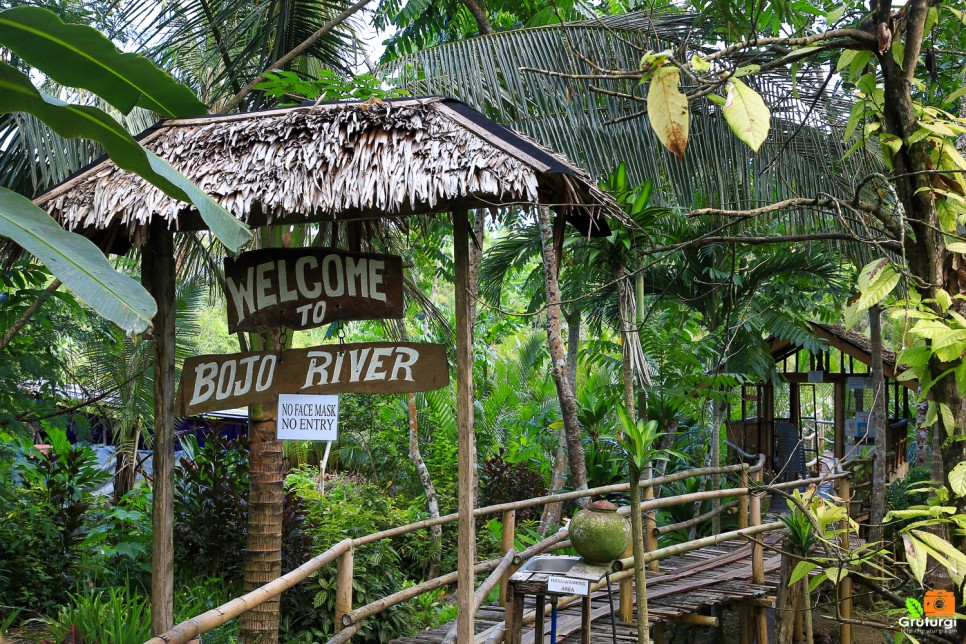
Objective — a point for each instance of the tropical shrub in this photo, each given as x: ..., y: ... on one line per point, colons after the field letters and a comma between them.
x: 502, y: 482
x: 211, y: 507
x: 349, y: 510
x: 121, y: 535
x: 45, y: 505
x: 115, y: 616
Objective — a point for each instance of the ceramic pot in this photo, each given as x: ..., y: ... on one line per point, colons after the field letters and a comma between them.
x: 599, y: 534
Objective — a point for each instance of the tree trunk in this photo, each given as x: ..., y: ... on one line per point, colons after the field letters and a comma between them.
x: 125, y: 470
x: 923, y: 437
x: 432, y: 501
x: 552, y: 512
x: 626, y: 315
x: 928, y: 256
x: 878, y: 424
x: 568, y: 402
x: 478, y: 11
x: 789, y: 601
x: 263, y: 552
x: 637, y: 543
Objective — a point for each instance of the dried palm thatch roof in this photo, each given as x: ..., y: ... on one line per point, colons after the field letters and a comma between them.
x: 332, y: 161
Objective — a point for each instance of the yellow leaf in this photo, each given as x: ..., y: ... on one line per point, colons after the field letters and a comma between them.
x: 747, y: 114
x: 667, y: 110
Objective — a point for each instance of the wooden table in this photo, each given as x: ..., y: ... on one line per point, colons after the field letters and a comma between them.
x: 523, y: 583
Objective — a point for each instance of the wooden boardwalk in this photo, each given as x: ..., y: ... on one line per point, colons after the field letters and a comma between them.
x: 689, y: 584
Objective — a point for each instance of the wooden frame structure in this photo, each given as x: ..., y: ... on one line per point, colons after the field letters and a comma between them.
x: 339, y: 163
x: 840, y: 369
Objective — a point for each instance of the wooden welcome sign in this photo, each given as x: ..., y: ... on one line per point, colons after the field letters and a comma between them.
x: 303, y: 288
x: 213, y: 382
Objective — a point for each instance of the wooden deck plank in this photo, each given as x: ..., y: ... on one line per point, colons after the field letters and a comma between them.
x: 687, y: 584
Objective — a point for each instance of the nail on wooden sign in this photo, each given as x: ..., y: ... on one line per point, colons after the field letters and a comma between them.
x: 303, y: 288
x: 225, y: 381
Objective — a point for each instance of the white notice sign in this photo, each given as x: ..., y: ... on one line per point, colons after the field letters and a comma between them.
x: 308, y: 417
x: 568, y: 585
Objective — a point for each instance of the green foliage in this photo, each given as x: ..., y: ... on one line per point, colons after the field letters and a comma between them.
x: 379, y: 569
x: 37, y: 354
x: 78, y: 56
x: 103, y: 616
x: 916, y: 522
x: 45, y: 517
x: 210, y: 507
x: 327, y: 86
x: 77, y: 262
x: 502, y: 481
x: 121, y: 535
x: 200, y: 597
x: 798, y: 528
x: 605, y: 463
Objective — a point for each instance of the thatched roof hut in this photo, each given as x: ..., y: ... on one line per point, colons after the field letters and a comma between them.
x: 332, y: 161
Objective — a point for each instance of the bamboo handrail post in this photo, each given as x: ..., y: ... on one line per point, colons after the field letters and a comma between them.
x: 743, y: 499
x: 844, y: 589
x: 758, y: 564
x: 343, y: 587
x: 626, y: 596
x: 650, y: 528
x: 507, y: 542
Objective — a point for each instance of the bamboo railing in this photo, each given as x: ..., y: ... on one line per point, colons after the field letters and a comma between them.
x: 349, y: 621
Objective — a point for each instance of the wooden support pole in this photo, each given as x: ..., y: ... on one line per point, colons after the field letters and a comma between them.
x: 838, y: 417
x: 758, y: 566
x: 744, y: 611
x: 466, y: 447
x: 745, y: 623
x: 626, y: 598
x: 844, y: 590
x: 507, y: 542
x: 650, y: 526
x: 343, y: 588
x: 657, y: 633
x: 743, y: 500
x: 159, y: 274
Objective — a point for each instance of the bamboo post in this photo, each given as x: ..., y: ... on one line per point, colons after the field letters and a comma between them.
x: 758, y: 565
x: 466, y: 447
x: 626, y: 598
x: 743, y: 499
x: 744, y: 611
x: 343, y: 587
x: 650, y: 526
x: 507, y: 542
x: 481, y: 593
x: 159, y: 275
x: 844, y: 589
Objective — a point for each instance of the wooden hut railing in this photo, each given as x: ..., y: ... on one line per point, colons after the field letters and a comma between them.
x: 348, y: 620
